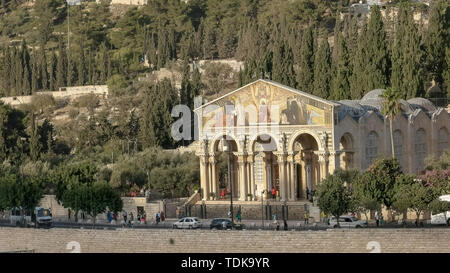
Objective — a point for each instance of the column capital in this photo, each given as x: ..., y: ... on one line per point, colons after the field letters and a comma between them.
x: 212, y: 159
x: 281, y: 157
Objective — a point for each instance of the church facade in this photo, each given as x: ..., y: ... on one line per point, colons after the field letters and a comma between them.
x: 277, y: 137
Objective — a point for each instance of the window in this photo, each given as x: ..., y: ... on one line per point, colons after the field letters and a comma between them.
x: 371, y: 147
x: 443, y: 140
x: 398, y: 149
x: 420, y: 148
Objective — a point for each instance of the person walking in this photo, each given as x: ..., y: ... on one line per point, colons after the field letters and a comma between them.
x: 124, y: 215
x: 377, y: 218
x: 273, y: 193
x: 163, y: 217
x: 109, y: 216
x: 239, y: 216
x: 278, y: 226
x: 306, y: 217
x: 285, y: 225
x: 131, y: 218
x: 157, y: 218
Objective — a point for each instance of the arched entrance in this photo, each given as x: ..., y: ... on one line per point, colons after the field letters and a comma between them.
x: 266, y: 172
x: 225, y: 168
x: 347, y: 152
x: 307, y: 166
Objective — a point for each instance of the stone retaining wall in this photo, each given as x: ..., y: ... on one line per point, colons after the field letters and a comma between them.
x: 206, y: 241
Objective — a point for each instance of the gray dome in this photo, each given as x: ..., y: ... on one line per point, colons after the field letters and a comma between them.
x: 374, y: 94
x: 350, y: 107
x: 423, y: 104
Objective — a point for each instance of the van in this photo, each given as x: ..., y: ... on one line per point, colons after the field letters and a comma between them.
x: 444, y: 217
x: 38, y: 217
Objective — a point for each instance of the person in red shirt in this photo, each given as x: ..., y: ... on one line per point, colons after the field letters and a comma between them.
x: 273, y: 193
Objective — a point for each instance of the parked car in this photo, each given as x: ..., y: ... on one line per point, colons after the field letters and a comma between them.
x: 348, y: 222
x: 187, y: 222
x: 444, y: 217
x: 218, y: 223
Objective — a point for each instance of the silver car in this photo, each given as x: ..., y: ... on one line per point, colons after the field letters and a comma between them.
x: 348, y: 222
x: 187, y: 222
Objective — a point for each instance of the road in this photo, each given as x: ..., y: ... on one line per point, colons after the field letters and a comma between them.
x: 168, y: 224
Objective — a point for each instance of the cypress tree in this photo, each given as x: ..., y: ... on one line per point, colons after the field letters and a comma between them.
x: 6, y: 72
x: 283, y: 65
x: 82, y: 67
x: 18, y: 72
x: 322, y: 70
x: 34, y: 74
x: 358, y: 86
x: 61, y: 66
x: 341, y: 85
x: 377, y: 70
x: 70, y: 72
x: 34, y: 140
x: 186, y: 88
x: 305, y: 76
x: 437, y: 38
x: 44, y: 69
x: 26, y: 85
x: 52, y: 72
x: 407, y: 70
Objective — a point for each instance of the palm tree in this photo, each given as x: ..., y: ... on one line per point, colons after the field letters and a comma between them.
x: 391, y: 107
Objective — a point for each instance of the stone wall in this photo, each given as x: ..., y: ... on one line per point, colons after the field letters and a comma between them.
x: 207, y: 241
x: 64, y: 92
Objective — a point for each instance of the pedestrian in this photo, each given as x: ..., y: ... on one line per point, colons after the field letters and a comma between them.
x: 131, y: 217
x: 70, y: 212
x: 157, y: 218
x: 163, y: 217
x: 377, y: 218
x: 229, y: 214
x: 285, y: 225
x: 273, y: 193
x: 278, y: 226
x: 223, y: 194
x: 306, y: 217
x: 124, y: 215
x: 139, y: 217
x: 324, y: 217
x: 307, y: 193
x: 144, y: 217
x: 381, y: 219
x: 109, y: 216
x: 239, y: 216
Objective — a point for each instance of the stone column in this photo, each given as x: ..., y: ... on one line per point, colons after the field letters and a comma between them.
x: 265, y: 178
x: 323, y: 163
x: 334, y: 161
x: 213, y: 178
x: 281, y: 158
x: 292, y: 177
x: 251, y: 175
x: 204, y: 176
x: 242, y: 177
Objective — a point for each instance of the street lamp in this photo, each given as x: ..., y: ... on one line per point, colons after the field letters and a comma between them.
x: 225, y: 148
x: 262, y: 208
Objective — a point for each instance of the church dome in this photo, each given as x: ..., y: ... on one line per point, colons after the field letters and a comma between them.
x: 373, y: 95
x: 423, y: 104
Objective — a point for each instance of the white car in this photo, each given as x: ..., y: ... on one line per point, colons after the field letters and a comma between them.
x: 187, y: 222
x: 441, y: 218
x: 348, y: 222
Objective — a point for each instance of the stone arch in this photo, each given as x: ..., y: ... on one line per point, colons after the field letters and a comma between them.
x: 398, y: 145
x: 346, y: 146
x: 443, y: 140
x: 216, y: 140
x: 261, y: 136
x: 294, y: 137
x: 372, y: 147
x: 420, y: 148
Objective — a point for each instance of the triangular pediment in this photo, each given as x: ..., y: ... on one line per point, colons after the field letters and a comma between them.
x: 265, y: 101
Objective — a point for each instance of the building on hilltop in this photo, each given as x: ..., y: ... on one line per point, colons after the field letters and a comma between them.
x: 281, y: 138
